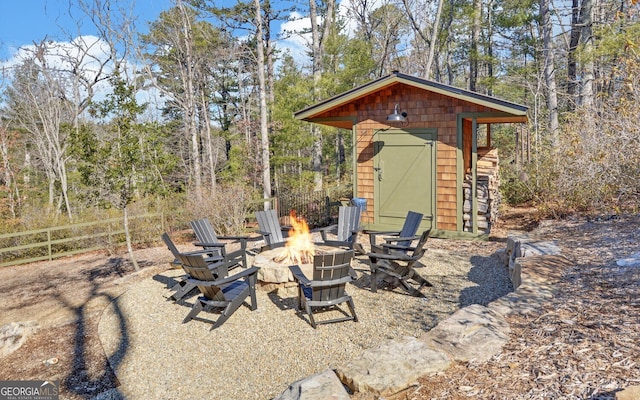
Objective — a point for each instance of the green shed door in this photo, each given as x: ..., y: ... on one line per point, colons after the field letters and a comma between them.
x: 404, y: 176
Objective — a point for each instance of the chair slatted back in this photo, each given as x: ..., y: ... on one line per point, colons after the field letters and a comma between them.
x: 420, y: 249
x: 196, y: 267
x: 327, y: 268
x: 171, y: 246
x: 410, y: 227
x: 206, y: 234
x: 268, y: 222
x: 204, y: 231
x: 348, y: 221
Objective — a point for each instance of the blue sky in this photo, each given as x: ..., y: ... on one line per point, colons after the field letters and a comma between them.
x: 24, y: 21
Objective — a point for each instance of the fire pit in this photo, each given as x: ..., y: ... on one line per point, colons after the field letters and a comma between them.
x: 299, y: 249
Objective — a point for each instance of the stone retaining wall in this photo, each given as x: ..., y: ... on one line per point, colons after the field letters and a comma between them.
x: 396, y: 365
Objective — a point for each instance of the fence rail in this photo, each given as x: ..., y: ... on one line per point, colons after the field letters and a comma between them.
x: 60, y: 241
x: 47, y: 244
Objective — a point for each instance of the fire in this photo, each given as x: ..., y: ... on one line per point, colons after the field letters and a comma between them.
x: 299, y: 248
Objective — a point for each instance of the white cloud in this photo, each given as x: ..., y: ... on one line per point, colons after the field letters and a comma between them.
x: 297, y: 37
x: 88, y: 55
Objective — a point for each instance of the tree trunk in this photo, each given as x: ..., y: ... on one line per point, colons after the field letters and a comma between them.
x: 434, y: 39
x: 475, y: 39
x: 573, y: 46
x: 549, y: 71
x: 208, y: 142
x: 587, y: 91
x: 318, y: 40
x: 264, y: 127
x: 127, y: 235
x: 189, y: 105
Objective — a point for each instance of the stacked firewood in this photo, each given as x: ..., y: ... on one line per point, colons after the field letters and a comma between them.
x: 487, y: 192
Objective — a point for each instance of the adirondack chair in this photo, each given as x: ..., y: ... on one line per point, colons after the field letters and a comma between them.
x: 175, y: 252
x: 331, y: 273
x: 402, y: 237
x: 208, y: 240
x: 395, y: 264
x: 270, y: 229
x: 227, y: 293
x: 219, y: 265
x: 347, y: 228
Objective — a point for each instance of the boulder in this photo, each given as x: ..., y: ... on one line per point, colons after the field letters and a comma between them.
x: 14, y: 334
x: 474, y: 333
x: 322, y: 386
x: 392, y: 366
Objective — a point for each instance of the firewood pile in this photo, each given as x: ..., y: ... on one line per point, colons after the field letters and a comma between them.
x: 487, y: 192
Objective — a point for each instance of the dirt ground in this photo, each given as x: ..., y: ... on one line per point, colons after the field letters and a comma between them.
x: 65, y: 298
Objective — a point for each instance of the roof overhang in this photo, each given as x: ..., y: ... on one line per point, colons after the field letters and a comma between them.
x: 510, y: 112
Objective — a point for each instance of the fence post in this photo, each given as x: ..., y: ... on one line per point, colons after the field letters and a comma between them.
x: 49, y: 244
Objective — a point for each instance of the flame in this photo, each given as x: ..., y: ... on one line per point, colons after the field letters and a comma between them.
x: 299, y: 248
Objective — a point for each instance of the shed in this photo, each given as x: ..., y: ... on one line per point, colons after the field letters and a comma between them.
x: 416, y: 147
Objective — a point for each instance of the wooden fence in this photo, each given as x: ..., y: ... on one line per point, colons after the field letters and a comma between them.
x: 47, y: 244
x: 60, y: 241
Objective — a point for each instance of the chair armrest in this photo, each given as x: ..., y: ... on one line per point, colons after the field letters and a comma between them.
x: 385, y: 256
x: 375, y: 234
x: 195, y: 252
x: 201, y: 244
x: 241, y: 239
x: 234, y: 237
x: 400, y: 239
x: 229, y: 279
x: 388, y: 246
x: 324, y: 230
x: 299, y: 276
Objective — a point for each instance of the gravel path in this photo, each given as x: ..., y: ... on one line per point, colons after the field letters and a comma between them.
x: 255, y: 355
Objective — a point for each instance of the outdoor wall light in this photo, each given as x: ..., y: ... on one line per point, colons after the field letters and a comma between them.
x: 397, y: 116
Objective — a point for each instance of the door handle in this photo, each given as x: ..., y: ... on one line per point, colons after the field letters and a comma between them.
x: 379, y: 171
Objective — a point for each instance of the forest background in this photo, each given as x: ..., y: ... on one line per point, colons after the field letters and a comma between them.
x: 194, y: 116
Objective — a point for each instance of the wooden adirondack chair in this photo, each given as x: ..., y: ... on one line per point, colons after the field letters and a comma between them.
x: 331, y: 273
x: 208, y: 240
x: 347, y: 228
x: 174, y: 250
x: 395, y: 264
x: 402, y: 237
x: 270, y: 229
x: 219, y: 265
x: 227, y: 293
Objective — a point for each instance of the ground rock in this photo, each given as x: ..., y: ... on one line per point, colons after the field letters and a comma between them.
x: 392, y: 367
x: 630, y: 393
x: 631, y: 261
x: 322, y: 386
x: 473, y: 333
x: 14, y: 334
x: 531, y: 245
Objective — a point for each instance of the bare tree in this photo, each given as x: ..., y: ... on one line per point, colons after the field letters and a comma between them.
x: 264, y: 112
x: 37, y: 102
x: 320, y: 31
x: 549, y: 69
x: 7, y: 175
